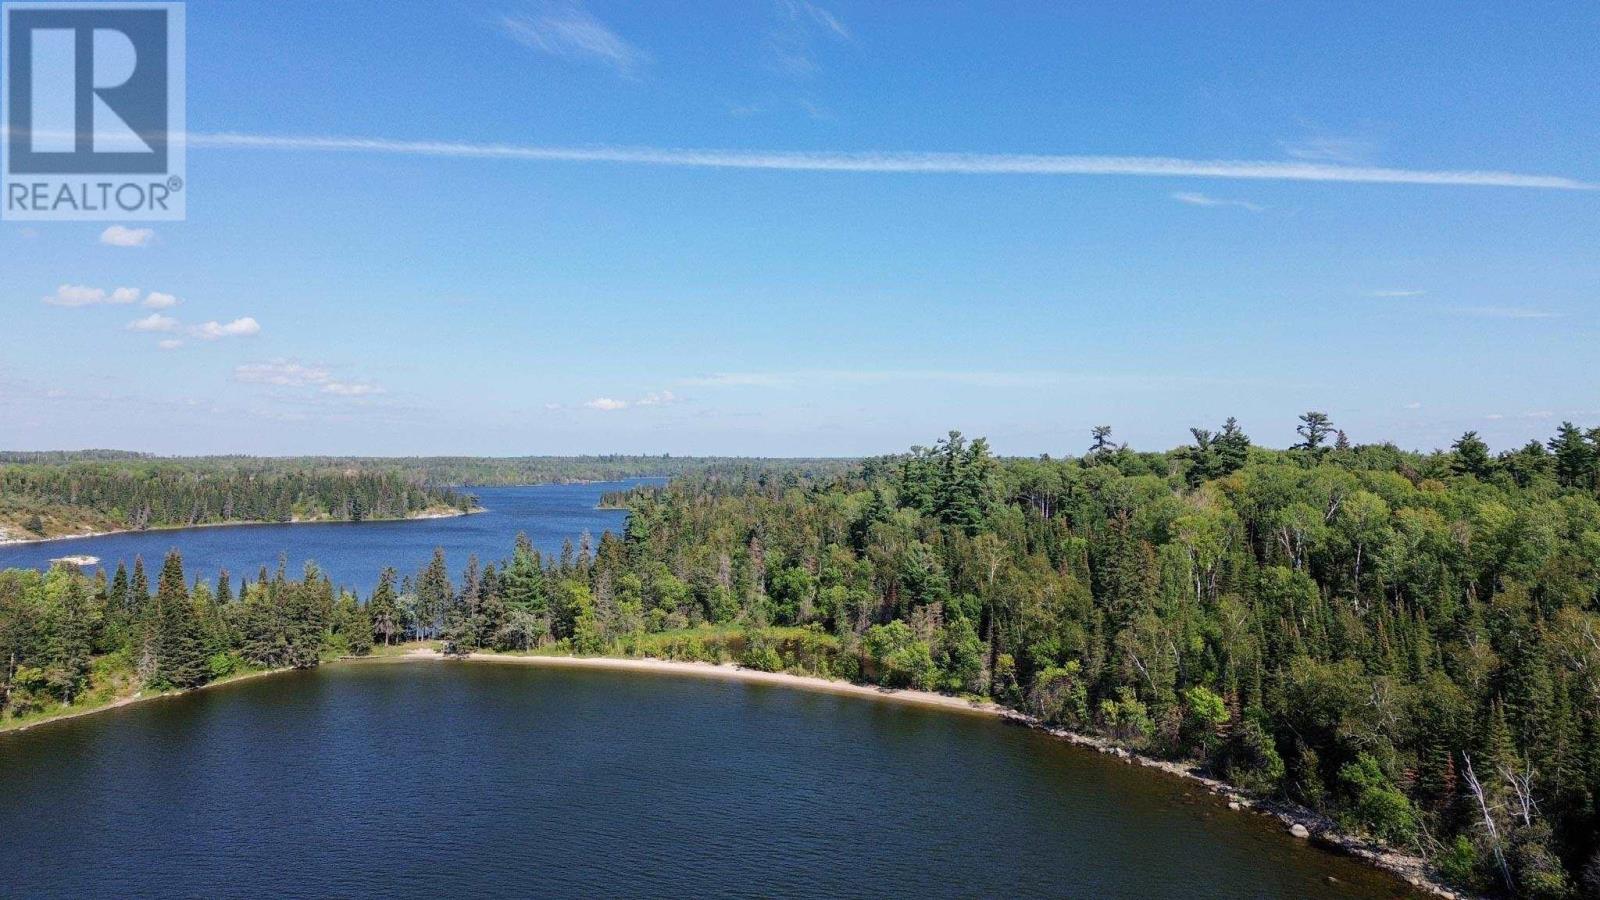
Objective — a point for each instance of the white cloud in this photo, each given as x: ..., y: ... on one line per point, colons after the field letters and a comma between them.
x: 154, y: 322
x: 823, y: 17
x: 661, y: 398
x: 799, y: 25
x: 244, y: 326
x: 1194, y: 199
x: 170, y: 344
x: 76, y: 295
x: 83, y: 295
x: 1413, y: 405
x: 119, y: 236
x: 906, y: 163
x: 349, y: 389
x: 158, y: 300
x: 282, y: 372
x: 294, y: 374
x: 571, y: 33
x: 1396, y: 292
x: 611, y: 404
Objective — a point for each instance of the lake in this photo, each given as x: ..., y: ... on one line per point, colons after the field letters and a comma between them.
x: 460, y: 779
x: 353, y: 553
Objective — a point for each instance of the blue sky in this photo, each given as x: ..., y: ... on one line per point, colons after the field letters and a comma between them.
x: 761, y: 274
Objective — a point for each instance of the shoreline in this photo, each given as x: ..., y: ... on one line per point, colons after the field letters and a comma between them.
x: 1298, y: 821
x: 132, y: 699
x: 723, y: 671
x: 17, y: 542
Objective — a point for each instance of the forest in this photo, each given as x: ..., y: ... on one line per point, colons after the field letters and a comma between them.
x: 47, y: 494
x: 49, y: 499
x: 1407, y: 643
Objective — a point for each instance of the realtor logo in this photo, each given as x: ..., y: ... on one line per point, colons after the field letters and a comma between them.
x: 94, y: 111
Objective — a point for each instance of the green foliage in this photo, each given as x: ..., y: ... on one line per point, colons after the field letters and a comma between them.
x: 1250, y: 759
x: 1459, y: 863
x: 1377, y: 805
x: 1205, y: 713
x: 900, y: 658
x: 1060, y: 697
x: 222, y: 664
x: 760, y: 655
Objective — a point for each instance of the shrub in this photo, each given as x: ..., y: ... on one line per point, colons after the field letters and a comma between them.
x: 1250, y: 759
x: 1458, y: 863
x: 223, y: 664
x: 1378, y: 806
x: 762, y: 657
x: 1059, y: 695
x: 1204, y: 714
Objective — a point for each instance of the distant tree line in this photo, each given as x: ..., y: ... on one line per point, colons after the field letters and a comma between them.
x: 146, y: 494
x: 1408, y: 643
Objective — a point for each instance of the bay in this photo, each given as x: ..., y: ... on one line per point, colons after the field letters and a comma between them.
x: 467, y: 779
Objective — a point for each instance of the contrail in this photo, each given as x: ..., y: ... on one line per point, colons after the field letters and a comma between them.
x: 900, y: 162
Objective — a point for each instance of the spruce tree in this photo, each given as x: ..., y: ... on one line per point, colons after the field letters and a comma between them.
x: 179, y: 644
x: 383, y: 611
x: 69, y: 643
x: 138, y: 590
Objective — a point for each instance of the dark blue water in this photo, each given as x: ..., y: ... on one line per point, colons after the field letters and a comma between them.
x: 441, y: 779
x: 354, y: 553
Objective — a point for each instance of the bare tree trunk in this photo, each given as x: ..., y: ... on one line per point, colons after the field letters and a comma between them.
x: 1476, y: 788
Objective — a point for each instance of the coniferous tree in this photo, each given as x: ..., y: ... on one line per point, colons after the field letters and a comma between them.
x: 1313, y: 429
x: 434, y: 595
x: 1472, y: 457
x: 1232, y: 448
x: 383, y: 609
x: 178, y: 643
x: 138, y: 589
x: 70, y: 645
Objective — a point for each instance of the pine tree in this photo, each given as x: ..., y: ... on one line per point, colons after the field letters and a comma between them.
x: 1232, y: 447
x: 1574, y: 457
x: 1313, y: 429
x: 1102, y: 445
x: 1472, y: 457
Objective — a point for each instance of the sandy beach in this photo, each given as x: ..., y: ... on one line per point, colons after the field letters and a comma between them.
x: 726, y: 671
